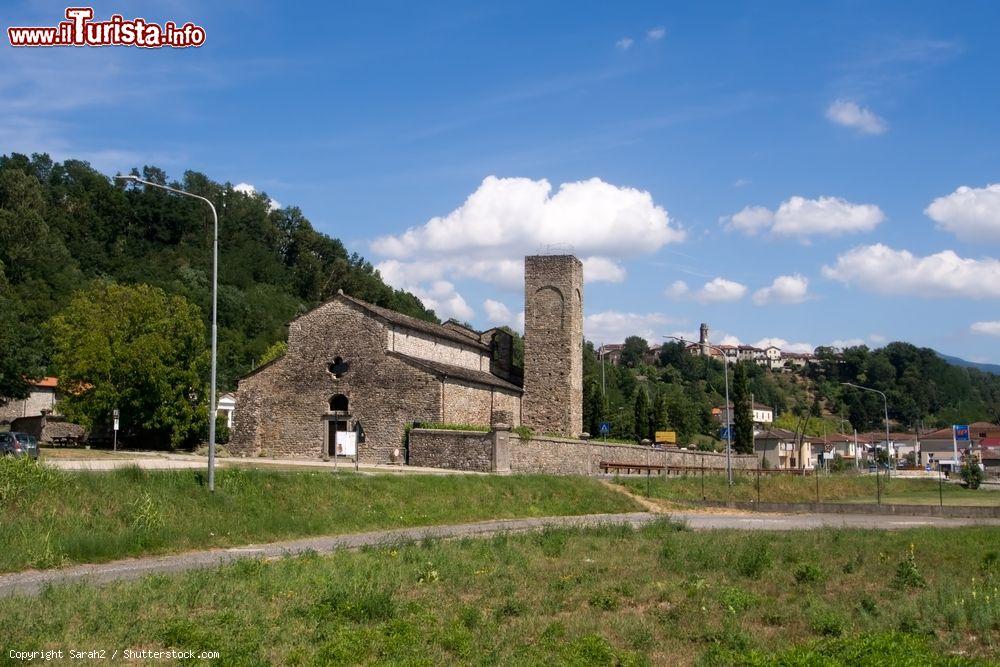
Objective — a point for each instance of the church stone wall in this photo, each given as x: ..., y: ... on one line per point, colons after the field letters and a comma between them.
x: 467, y: 403
x: 422, y: 346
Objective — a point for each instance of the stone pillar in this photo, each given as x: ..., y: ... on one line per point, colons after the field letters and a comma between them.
x: 501, y: 448
x: 553, y: 345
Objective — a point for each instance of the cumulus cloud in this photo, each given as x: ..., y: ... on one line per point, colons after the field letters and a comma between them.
x: 987, y: 328
x: 656, y: 34
x: 498, y: 314
x: 842, y: 344
x: 882, y: 269
x: 677, y: 289
x: 442, y: 298
x: 720, y: 290
x: 971, y: 214
x: 801, y: 217
x: 251, y: 191
x: 487, y: 237
x: 784, y: 345
x: 625, y: 43
x: 614, y: 327
x: 853, y: 115
x: 784, y: 289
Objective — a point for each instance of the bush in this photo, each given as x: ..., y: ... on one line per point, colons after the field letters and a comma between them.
x: 972, y: 473
x: 807, y: 573
x: 754, y: 559
x: 907, y: 573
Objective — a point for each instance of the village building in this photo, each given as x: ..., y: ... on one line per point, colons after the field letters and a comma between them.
x: 41, y: 400
x: 356, y: 376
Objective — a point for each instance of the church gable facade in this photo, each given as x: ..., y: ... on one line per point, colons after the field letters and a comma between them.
x: 358, y: 368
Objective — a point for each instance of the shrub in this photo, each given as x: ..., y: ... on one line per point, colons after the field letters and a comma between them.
x: 524, y: 432
x: 360, y: 603
x: 754, y: 558
x: 807, y: 573
x: 828, y: 623
x: 972, y: 473
x: 907, y: 573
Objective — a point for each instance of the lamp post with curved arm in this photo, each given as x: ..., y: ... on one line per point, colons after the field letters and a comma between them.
x: 885, y: 405
x: 215, y: 291
x: 729, y: 418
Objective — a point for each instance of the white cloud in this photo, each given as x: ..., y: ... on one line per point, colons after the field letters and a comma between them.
x: 841, y: 344
x: 625, y: 43
x: 798, y: 216
x: 987, y: 328
x: 498, y: 314
x: 876, y: 338
x: 882, y: 269
x: 784, y: 345
x: 741, y: 182
x: 784, y: 289
x: 851, y: 114
x: 602, y: 269
x: 487, y: 237
x: 251, y: 191
x: 971, y: 214
x: 677, y: 289
x: 612, y: 326
x: 442, y: 298
x: 656, y: 34
x: 720, y: 290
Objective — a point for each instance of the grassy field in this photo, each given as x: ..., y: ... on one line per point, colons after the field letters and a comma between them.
x: 797, y: 489
x: 53, y: 518
x: 657, y: 595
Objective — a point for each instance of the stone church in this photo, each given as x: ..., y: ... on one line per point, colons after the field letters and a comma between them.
x: 356, y: 375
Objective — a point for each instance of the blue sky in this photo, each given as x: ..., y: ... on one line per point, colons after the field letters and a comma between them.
x: 668, y: 124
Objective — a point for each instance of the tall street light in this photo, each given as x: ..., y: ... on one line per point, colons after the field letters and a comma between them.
x: 215, y: 291
x: 729, y: 418
x: 885, y: 405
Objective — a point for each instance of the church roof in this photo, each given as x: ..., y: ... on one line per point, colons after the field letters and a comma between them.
x: 429, y: 328
x: 458, y: 372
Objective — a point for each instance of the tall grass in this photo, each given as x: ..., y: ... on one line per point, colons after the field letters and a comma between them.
x: 52, y: 518
x: 579, y: 597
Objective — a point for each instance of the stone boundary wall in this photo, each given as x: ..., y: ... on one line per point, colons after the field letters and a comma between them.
x: 963, y: 511
x: 564, y: 456
x: 457, y: 450
x: 503, y: 451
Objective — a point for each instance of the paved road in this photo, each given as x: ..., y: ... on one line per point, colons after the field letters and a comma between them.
x: 32, y: 582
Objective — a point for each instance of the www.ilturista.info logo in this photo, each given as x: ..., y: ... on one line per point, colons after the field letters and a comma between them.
x: 80, y: 30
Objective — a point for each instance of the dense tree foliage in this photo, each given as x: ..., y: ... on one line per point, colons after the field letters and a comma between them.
x: 64, y: 224
x: 681, y: 388
x: 136, y: 349
x: 742, y: 410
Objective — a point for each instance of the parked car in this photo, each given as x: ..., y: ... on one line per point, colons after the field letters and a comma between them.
x: 18, y: 444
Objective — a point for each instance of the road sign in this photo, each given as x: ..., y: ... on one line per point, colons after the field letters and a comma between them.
x: 666, y: 437
x: 961, y: 433
x: 115, y: 414
x: 724, y: 433
x: 605, y: 428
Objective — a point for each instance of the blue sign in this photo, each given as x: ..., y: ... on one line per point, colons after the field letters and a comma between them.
x: 961, y: 433
x: 724, y: 433
x: 605, y: 428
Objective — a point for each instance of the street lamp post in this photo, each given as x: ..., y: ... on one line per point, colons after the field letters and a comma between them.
x: 729, y: 417
x: 885, y: 405
x: 215, y: 291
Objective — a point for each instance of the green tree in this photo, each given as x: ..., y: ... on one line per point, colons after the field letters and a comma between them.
x: 634, y: 350
x: 136, y: 349
x: 641, y: 411
x: 276, y: 350
x: 19, y: 359
x: 742, y: 411
x: 971, y: 472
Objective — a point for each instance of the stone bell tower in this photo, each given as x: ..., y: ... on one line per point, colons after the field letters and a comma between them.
x: 553, y: 345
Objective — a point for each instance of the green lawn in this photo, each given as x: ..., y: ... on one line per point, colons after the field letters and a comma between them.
x: 53, y: 518
x: 839, y: 488
x: 657, y: 595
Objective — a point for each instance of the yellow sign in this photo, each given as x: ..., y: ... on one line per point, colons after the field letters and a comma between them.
x: 666, y: 437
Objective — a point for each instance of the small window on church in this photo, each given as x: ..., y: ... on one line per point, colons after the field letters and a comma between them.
x: 338, y: 403
x: 338, y: 367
